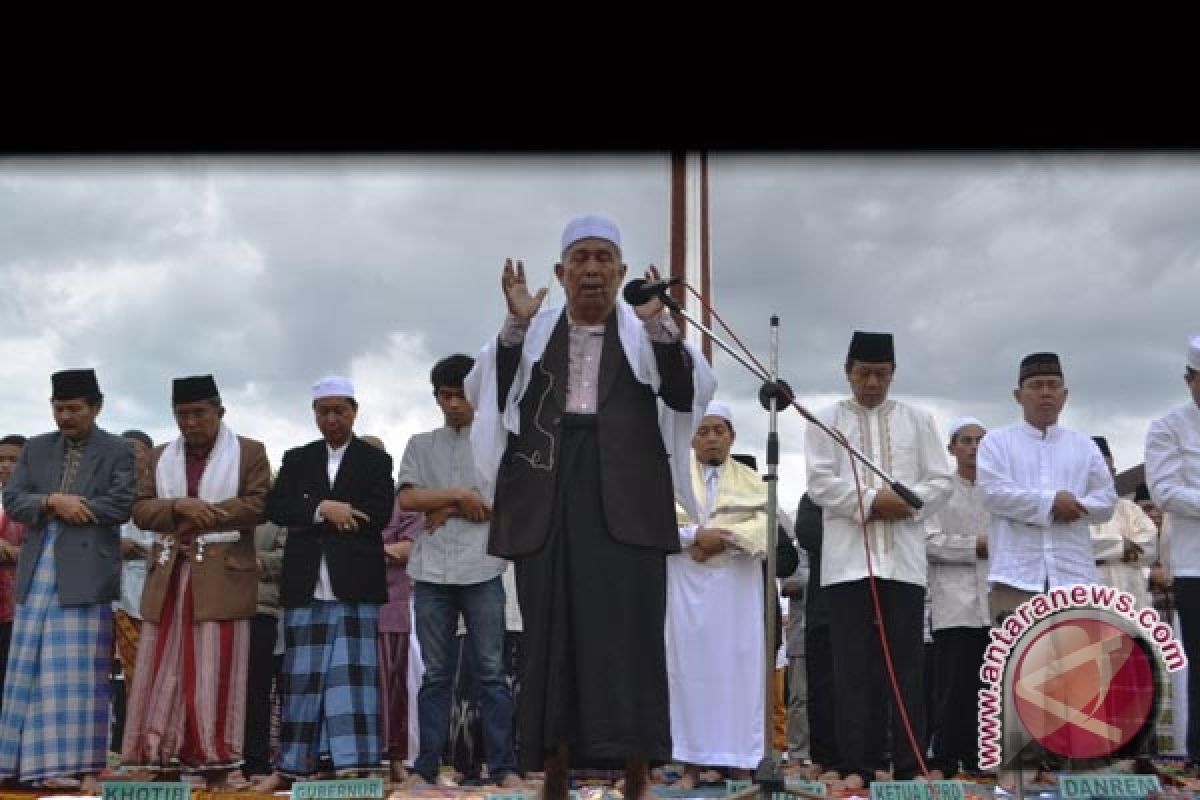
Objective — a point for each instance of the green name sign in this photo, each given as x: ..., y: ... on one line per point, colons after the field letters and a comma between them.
x: 918, y: 790
x: 132, y: 790
x: 733, y: 787
x: 348, y: 789
x: 811, y: 787
x: 1080, y: 787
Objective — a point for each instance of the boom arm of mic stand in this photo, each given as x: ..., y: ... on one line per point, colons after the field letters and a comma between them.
x: 909, y: 495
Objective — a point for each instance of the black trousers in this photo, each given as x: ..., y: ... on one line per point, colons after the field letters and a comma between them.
x: 261, y: 675
x: 958, y: 653
x: 1187, y: 603
x: 818, y: 665
x: 861, y: 689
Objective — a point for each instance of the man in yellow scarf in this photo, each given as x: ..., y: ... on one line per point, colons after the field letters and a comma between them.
x: 715, y: 609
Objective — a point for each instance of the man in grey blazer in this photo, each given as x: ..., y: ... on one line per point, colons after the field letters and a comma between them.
x: 73, y: 489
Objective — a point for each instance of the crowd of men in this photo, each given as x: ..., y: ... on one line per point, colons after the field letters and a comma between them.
x: 579, y: 540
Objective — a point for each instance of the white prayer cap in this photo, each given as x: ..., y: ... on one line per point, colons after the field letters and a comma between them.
x: 1194, y: 353
x: 333, y: 386
x: 718, y: 409
x: 963, y: 422
x: 590, y: 226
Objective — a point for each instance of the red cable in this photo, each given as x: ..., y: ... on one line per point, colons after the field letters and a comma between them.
x: 883, y: 639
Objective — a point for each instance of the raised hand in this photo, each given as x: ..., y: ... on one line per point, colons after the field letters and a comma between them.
x: 654, y: 306
x: 521, y: 304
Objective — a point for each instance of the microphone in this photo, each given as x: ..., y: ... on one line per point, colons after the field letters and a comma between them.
x: 640, y: 290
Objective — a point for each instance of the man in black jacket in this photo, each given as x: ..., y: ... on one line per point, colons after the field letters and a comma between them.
x: 334, y: 496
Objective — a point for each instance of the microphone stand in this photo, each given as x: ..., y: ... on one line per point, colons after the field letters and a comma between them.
x: 768, y: 777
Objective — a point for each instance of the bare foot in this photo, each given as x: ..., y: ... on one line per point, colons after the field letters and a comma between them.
x: 274, y: 782
x: 937, y: 775
x: 854, y: 781
x: 688, y: 780
x: 396, y: 770
x: 511, y: 781
x: 829, y: 775
x: 89, y: 785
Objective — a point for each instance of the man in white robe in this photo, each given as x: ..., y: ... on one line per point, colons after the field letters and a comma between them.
x: 715, y: 610
x: 1127, y: 544
x: 903, y: 441
x: 956, y: 545
x: 1173, y: 475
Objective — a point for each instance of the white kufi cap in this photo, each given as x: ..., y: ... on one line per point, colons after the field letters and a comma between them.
x: 333, y: 386
x: 590, y: 226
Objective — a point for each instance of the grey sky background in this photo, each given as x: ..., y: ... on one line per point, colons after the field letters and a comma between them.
x: 270, y: 272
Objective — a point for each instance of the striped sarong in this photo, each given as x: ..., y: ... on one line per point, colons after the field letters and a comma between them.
x: 330, y: 688
x: 127, y: 631
x: 56, y: 691
x: 187, y: 707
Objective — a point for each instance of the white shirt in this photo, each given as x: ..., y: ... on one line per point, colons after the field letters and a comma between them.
x: 905, y: 443
x: 712, y: 477
x: 1019, y: 470
x: 1173, y: 477
x: 324, y: 590
x: 958, y: 585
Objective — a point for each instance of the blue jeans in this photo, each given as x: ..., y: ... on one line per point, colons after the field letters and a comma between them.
x: 436, y: 608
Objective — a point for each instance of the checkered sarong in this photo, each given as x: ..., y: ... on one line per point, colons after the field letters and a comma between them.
x: 56, y: 692
x: 330, y: 688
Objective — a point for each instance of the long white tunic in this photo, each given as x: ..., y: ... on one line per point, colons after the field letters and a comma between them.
x: 958, y: 588
x: 1019, y: 471
x: 1129, y: 523
x: 714, y: 637
x: 1173, y: 477
x: 904, y: 442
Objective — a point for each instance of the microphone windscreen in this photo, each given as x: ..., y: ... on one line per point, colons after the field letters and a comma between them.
x: 635, y: 293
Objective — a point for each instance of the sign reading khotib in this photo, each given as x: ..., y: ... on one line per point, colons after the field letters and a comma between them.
x: 918, y: 790
x: 135, y: 790
x: 347, y: 789
x: 1119, y: 787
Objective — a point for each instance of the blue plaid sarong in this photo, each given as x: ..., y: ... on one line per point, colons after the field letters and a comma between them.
x: 330, y: 688
x: 56, y: 692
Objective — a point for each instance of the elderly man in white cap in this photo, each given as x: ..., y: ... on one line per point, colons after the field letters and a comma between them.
x: 334, y: 495
x: 714, y: 609
x: 956, y: 545
x: 1173, y: 477
x: 578, y: 411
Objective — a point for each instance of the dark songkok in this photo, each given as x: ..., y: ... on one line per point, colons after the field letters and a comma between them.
x: 196, y: 387
x: 72, y: 384
x: 872, y: 347
x: 1141, y: 494
x: 1039, y: 364
x: 1102, y: 443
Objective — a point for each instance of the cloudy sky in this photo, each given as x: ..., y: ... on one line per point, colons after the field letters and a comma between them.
x: 270, y: 272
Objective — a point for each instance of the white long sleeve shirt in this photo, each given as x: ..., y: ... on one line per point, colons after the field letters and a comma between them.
x: 903, y: 441
x: 1173, y: 477
x: 958, y: 585
x: 1019, y: 470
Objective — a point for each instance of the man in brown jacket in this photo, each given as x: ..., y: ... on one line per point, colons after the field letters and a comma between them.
x: 202, y: 494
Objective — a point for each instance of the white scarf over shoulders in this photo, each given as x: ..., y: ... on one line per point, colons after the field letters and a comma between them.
x: 490, y: 429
